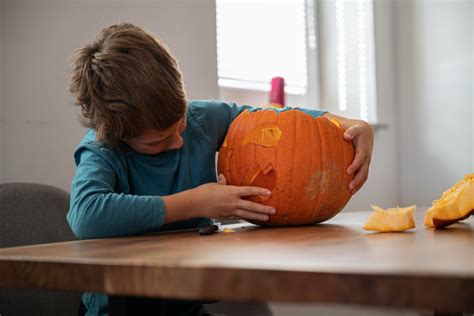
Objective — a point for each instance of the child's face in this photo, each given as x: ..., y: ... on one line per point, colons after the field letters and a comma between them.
x: 152, y: 142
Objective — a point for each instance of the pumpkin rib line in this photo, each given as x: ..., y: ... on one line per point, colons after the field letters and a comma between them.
x: 333, y: 133
x: 320, y: 166
x: 314, y: 162
x: 328, y: 166
x: 297, y: 138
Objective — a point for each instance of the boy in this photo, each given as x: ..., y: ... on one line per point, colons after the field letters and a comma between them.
x: 147, y: 163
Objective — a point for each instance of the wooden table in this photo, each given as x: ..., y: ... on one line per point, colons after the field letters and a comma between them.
x: 335, y: 262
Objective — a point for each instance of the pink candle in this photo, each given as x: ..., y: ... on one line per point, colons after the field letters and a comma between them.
x: 277, y: 93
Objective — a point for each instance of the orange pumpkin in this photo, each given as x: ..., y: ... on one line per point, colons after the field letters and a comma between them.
x: 301, y: 159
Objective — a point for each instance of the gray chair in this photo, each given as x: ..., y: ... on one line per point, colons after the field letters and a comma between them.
x: 34, y: 214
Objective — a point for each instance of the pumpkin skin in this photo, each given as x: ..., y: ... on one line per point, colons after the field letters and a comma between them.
x: 301, y: 159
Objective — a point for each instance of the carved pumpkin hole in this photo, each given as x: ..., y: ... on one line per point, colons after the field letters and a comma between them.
x: 267, y: 135
x: 336, y: 122
x: 262, y: 178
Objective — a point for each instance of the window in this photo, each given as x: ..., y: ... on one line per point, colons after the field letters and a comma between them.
x: 261, y: 39
x: 323, y: 49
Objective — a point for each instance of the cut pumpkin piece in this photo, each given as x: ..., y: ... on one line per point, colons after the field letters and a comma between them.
x: 456, y: 204
x: 391, y: 220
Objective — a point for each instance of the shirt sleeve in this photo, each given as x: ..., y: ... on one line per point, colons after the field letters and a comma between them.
x: 215, y: 117
x: 97, y: 211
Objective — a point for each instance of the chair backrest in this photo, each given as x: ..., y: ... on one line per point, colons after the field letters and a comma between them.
x: 30, y: 214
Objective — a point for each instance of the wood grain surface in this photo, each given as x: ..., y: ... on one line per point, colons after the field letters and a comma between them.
x: 334, y: 262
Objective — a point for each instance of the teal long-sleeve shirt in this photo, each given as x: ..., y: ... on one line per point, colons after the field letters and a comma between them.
x: 118, y: 193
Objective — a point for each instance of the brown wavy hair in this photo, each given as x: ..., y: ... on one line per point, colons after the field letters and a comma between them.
x: 126, y: 81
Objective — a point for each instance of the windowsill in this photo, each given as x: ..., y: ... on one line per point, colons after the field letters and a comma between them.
x: 378, y: 126
x: 259, y: 98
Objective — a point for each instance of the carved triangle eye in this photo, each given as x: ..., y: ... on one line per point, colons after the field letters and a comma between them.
x: 267, y: 135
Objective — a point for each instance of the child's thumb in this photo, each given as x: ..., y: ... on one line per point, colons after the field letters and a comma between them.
x: 221, y: 179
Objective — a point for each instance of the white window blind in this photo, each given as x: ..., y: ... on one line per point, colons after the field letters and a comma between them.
x: 348, y: 58
x: 261, y: 39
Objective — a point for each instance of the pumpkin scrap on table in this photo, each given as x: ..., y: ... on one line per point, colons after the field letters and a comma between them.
x: 391, y: 220
x: 301, y: 159
x: 456, y: 204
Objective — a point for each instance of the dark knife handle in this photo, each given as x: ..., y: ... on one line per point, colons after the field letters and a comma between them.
x: 208, y: 230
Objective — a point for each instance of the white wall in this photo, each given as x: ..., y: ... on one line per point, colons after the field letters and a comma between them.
x: 434, y: 51
x: 41, y: 127
x: 425, y: 84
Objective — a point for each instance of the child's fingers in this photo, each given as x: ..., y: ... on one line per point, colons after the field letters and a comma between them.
x: 360, y: 178
x: 255, y: 207
x: 248, y: 190
x: 357, y: 162
x: 251, y: 215
x: 351, y: 133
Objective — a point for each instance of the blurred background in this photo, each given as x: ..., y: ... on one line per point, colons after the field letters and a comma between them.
x: 405, y: 66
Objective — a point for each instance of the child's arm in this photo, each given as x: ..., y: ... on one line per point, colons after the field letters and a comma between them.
x: 362, y: 135
x: 97, y: 211
x: 217, y: 200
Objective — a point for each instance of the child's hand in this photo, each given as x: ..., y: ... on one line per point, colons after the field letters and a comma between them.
x: 222, y: 201
x: 362, y: 136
